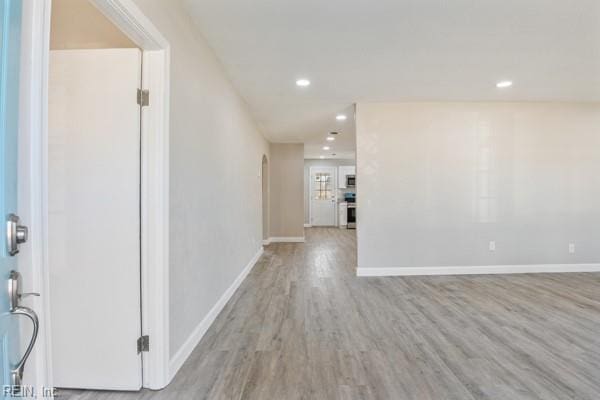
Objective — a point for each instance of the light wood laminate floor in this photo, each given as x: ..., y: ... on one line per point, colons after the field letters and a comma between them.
x: 303, y: 326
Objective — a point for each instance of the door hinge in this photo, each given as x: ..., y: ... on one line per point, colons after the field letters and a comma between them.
x: 143, y: 97
x: 143, y: 344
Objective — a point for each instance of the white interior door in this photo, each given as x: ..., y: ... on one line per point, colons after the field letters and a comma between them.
x: 323, y: 196
x: 94, y: 218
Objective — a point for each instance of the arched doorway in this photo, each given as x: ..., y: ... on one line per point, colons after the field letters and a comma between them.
x: 265, y: 198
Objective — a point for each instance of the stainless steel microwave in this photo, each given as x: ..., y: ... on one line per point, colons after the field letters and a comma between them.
x: 350, y: 181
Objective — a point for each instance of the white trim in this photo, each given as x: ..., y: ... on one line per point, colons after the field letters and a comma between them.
x: 154, y: 182
x: 192, y: 341
x: 287, y: 239
x: 155, y: 218
x: 476, y: 270
x: 32, y: 180
x: 132, y: 22
x: 266, y: 242
x: 307, y: 225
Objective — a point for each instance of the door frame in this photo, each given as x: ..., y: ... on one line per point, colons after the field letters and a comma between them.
x: 335, y: 192
x: 33, y: 179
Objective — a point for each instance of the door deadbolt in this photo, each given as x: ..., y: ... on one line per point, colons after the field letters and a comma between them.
x: 15, y: 234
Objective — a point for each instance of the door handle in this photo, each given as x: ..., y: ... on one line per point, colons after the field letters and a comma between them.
x: 14, y: 284
x: 17, y: 371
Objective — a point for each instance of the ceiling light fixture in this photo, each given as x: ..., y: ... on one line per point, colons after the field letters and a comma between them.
x: 302, y: 82
x: 330, y: 138
x: 504, y: 84
x: 326, y: 148
x: 341, y: 117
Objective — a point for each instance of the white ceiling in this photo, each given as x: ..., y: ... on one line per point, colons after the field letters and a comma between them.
x: 396, y: 50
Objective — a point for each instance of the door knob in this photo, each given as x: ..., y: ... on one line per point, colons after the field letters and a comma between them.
x: 16, y: 234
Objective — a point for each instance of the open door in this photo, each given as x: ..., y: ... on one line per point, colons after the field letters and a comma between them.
x: 94, y: 218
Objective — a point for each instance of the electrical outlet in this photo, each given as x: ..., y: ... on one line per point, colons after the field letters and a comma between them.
x: 571, y: 248
x: 492, y: 246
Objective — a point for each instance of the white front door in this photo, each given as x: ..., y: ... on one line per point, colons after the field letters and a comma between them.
x: 12, y: 357
x: 323, y: 196
x: 94, y: 218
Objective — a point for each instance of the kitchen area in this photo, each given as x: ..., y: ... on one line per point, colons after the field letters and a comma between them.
x: 330, y: 193
x: 347, y: 197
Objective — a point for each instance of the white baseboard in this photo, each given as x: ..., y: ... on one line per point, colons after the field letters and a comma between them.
x: 475, y: 270
x: 192, y: 341
x: 307, y: 225
x: 287, y: 239
x: 266, y: 242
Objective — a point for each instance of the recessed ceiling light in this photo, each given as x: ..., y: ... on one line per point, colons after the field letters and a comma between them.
x: 330, y: 138
x: 504, y: 84
x: 326, y: 148
x: 341, y: 117
x: 303, y: 82
x: 321, y: 157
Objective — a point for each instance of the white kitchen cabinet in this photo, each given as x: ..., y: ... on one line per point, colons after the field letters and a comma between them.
x: 344, y: 171
x: 342, y: 177
x: 343, y: 214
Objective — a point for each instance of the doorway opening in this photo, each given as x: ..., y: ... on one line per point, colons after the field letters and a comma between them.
x: 330, y: 182
x: 144, y: 183
x: 330, y: 190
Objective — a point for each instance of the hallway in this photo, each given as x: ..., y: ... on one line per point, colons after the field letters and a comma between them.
x: 303, y: 326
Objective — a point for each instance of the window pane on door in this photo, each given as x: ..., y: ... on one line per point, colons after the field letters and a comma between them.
x: 322, y: 186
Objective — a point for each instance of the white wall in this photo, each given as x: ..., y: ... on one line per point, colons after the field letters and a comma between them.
x: 439, y: 181
x: 216, y: 153
x: 318, y: 163
x: 78, y: 24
